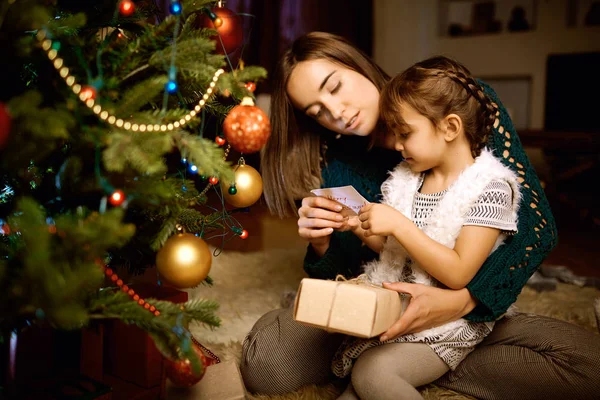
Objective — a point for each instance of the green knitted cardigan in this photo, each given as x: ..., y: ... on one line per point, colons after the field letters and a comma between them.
x: 503, y: 275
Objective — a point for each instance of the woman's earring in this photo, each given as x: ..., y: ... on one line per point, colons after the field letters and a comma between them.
x: 339, y: 135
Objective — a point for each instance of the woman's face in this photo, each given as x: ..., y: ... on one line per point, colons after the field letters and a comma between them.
x: 338, y: 98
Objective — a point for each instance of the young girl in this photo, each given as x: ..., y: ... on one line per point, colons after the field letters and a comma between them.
x: 445, y: 209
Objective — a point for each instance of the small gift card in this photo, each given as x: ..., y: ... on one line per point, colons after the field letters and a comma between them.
x: 346, y: 195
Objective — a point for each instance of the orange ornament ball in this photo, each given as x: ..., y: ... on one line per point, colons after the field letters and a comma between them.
x: 247, y: 127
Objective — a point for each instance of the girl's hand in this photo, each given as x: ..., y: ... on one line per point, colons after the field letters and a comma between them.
x: 429, y: 307
x: 317, y: 219
x: 379, y: 219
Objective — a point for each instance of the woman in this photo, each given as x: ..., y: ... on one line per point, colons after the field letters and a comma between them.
x: 326, y: 129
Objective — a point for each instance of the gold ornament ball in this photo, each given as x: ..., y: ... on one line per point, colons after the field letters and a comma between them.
x: 249, y: 185
x: 184, y: 261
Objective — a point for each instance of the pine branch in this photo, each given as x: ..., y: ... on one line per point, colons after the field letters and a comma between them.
x: 205, y: 154
x: 166, y: 230
x: 142, y: 152
x: 250, y: 74
x: 192, y: 6
x: 139, y: 95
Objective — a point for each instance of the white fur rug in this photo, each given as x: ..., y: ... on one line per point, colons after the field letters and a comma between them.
x: 247, y: 285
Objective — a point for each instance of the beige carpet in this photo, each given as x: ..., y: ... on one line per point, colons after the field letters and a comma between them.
x: 249, y: 284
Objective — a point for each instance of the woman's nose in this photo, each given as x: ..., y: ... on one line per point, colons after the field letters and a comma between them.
x: 335, y: 108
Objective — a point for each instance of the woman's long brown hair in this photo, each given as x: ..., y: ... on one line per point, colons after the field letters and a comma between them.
x: 290, y: 161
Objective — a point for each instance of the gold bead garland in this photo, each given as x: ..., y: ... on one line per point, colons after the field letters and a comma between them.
x: 84, y: 96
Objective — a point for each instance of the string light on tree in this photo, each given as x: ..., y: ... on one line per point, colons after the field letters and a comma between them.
x: 175, y: 8
x: 171, y: 87
x: 88, y: 92
x: 220, y: 140
x: 117, y: 198
x: 126, y: 8
x: 242, y: 233
x: 120, y: 123
x: 213, y: 180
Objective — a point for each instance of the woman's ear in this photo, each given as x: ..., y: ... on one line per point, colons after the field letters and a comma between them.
x: 452, y: 127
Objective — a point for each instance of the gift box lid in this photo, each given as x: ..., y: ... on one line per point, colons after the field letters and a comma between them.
x: 359, y: 310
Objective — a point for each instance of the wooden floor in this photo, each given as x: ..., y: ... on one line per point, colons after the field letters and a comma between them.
x: 578, y: 240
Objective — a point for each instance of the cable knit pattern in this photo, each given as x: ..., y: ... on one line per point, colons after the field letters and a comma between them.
x: 503, y: 275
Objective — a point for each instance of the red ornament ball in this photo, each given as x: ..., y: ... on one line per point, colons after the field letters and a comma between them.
x: 126, y: 8
x: 229, y: 29
x: 5, y: 122
x: 220, y: 141
x: 181, y: 373
x: 251, y: 86
x: 247, y: 127
x: 117, y: 198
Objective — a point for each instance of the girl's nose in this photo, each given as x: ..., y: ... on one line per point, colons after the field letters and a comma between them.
x: 398, y: 146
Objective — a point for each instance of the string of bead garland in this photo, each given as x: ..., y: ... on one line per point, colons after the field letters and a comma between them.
x: 126, y: 289
x: 87, y: 96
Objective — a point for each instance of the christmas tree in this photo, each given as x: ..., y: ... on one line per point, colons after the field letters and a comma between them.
x: 111, y: 141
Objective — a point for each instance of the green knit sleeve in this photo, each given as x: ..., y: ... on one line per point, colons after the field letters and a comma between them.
x: 505, y: 273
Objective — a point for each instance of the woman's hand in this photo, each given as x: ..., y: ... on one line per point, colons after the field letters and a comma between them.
x: 318, y: 218
x: 429, y: 307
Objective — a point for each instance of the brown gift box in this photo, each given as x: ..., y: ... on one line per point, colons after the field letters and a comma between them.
x: 221, y: 381
x: 347, y: 307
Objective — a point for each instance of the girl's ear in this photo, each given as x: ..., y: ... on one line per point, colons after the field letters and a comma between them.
x: 452, y: 126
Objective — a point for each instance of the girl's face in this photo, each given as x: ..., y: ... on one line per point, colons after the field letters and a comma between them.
x: 338, y: 98
x: 422, y: 145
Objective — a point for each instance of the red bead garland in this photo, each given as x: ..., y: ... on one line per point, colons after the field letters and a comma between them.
x: 126, y: 289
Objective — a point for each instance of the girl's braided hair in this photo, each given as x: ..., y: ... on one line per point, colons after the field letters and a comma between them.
x: 435, y: 88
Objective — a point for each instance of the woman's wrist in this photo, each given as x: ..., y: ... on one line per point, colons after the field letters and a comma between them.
x: 466, y: 300
x: 320, y: 246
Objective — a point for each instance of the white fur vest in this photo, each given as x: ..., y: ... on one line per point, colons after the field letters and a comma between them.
x: 446, y: 220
